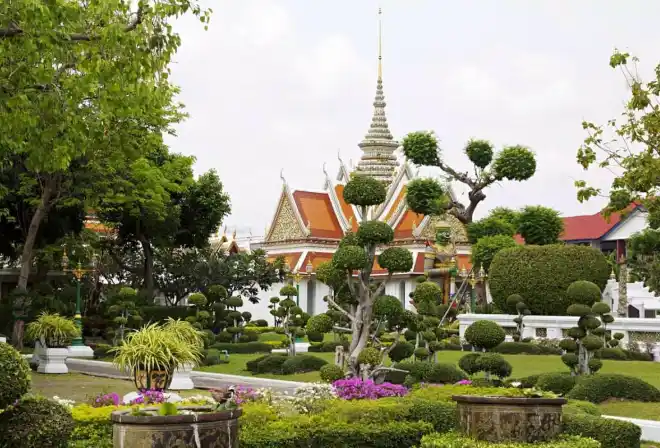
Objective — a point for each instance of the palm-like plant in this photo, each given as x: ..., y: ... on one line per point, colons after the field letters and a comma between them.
x: 152, y: 353
x: 52, y: 330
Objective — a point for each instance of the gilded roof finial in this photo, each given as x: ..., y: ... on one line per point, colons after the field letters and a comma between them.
x: 380, y: 44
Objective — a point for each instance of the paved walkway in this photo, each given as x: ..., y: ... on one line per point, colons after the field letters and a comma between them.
x: 202, y: 380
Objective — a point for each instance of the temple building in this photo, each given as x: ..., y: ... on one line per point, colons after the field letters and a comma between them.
x: 307, y: 225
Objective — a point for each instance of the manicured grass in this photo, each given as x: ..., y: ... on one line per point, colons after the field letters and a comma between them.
x: 523, y: 365
x: 83, y: 388
x: 633, y: 409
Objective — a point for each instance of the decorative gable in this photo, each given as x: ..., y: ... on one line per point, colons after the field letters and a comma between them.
x: 286, y: 224
x: 432, y: 223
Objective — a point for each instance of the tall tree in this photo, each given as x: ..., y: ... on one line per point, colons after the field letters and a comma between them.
x: 540, y: 225
x: 629, y: 148
x: 78, y: 81
x: 430, y: 197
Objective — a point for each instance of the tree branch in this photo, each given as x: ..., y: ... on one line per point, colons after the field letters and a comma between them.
x: 461, y: 177
x: 14, y: 30
x: 340, y: 309
x: 381, y: 287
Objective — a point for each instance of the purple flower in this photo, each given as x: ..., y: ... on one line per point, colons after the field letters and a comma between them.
x: 102, y: 400
x: 149, y: 396
x: 464, y: 383
x: 356, y: 389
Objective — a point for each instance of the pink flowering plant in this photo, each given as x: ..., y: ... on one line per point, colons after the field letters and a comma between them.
x: 464, y: 383
x: 111, y: 399
x: 149, y: 396
x: 357, y: 389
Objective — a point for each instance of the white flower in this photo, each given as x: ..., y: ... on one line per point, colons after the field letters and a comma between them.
x: 64, y: 402
x: 516, y: 383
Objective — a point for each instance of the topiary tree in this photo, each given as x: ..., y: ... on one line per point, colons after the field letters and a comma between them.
x: 485, y: 249
x: 291, y: 316
x: 489, y: 226
x: 586, y: 338
x: 540, y: 225
x: 36, y: 421
x: 123, y: 309
x: 542, y: 274
x: 202, y: 318
x: 15, y: 376
x: 430, y: 197
x: 485, y: 335
x: 353, y: 263
x: 516, y: 304
x: 583, y: 292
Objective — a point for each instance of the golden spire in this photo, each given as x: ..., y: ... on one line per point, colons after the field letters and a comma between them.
x: 380, y: 44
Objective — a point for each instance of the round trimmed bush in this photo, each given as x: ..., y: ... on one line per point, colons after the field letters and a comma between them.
x: 374, y: 233
x: 36, y: 422
x: 15, y: 376
x: 495, y: 364
x: 364, y: 191
x: 517, y: 348
x: 542, y: 275
x: 427, y: 292
x: 331, y: 373
x: 445, y: 374
x: 612, y: 353
x: 314, y: 336
x: 422, y: 353
x: 557, y: 382
x: 369, y: 355
x: 401, y: 351
x: 485, y: 334
x: 583, y: 292
x: 601, y: 387
x: 469, y: 363
x: 302, y: 363
x: 267, y: 363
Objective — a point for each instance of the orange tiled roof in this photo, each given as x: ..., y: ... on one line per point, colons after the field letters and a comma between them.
x: 317, y: 258
x: 97, y: 227
x: 397, y: 201
x: 346, y: 208
x: 405, y: 226
x: 316, y: 209
x: 290, y: 258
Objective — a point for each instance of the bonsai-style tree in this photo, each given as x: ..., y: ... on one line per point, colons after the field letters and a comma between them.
x: 202, y: 318
x: 273, y: 310
x: 515, y: 302
x: 317, y: 326
x: 123, y: 308
x: 355, y: 259
x: 291, y: 316
x: 540, y: 225
x: 485, y: 335
x: 430, y: 197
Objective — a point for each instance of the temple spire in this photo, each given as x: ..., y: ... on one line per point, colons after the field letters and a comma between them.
x: 378, y: 146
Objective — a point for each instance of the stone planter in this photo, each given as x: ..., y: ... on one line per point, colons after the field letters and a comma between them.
x: 202, y: 430
x: 3, y: 339
x: 181, y: 379
x: 152, y: 379
x: 499, y: 419
x: 53, y: 360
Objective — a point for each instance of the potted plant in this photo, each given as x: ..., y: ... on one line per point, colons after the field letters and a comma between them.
x: 532, y: 416
x: 168, y: 425
x: 52, y: 334
x: 152, y: 354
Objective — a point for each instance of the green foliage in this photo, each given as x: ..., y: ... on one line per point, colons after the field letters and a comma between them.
x: 440, y: 373
x: 489, y: 226
x: 302, y: 363
x: 426, y: 196
x: 54, y: 330
x: 494, y: 364
x: 350, y: 258
x: 610, y: 433
x: 485, y: 249
x: 35, y: 422
x: 601, y: 387
x: 364, y: 191
x: 401, y: 351
x: 330, y: 373
x: 485, y: 334
x: 370, y: 356
x: 428, y: 292
x: 480, y: 152
x: 243, y: 347
x: 514, y: 163
x: 288, y: 291
x: 15, y: 376
x: 454, y: 440
x: 198, y: 299
x: 421, y: 148
x: 396, y: 259
x: 373, y: 233
x: 643, y: 249
x: 560, y: 383
x: 542, y: 274
x: 583, y: 292
x: 540, y: 225
x: 469, y: 363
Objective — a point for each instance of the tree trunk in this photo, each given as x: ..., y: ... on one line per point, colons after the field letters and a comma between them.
x: 361, y: 333
x: 148, y: 265
x: 26, y: 262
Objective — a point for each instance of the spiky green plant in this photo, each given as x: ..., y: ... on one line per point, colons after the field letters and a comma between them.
x: 158, y: 348
x: 184, y: 331
x: 52, y: 330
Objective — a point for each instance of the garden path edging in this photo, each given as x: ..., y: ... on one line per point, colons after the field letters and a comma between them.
x: 650, y: 428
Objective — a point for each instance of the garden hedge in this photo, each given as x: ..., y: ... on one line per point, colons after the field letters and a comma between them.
x: 601, y: 387
x: 610, y: 433
x: 454, y: 440
x: 243, y: 347
x: 158, y: 313
x: 36, y: 422
x: 542, y: 275
x: 557, y: 382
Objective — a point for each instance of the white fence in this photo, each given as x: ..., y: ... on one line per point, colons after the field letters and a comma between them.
x: 639, y: 330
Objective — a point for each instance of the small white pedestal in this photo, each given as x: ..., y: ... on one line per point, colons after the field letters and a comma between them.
x: 80, y: 351
x: 52, y: 360
x: 656, y: 352
x: 3, y: 339
x: 181, y: 379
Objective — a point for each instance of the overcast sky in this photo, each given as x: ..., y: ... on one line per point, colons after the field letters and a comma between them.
x: 286, y: 84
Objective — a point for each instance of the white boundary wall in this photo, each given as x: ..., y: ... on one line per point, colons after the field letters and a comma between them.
x: 551, y: 327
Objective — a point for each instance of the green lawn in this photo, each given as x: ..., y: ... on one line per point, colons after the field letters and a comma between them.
x: 83, y: 388
x: 523, y: 365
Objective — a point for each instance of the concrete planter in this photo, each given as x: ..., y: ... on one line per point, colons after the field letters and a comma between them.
x: 500, y: 419
x: 3, y: 339
x: 202, y: 430
x: 181, y: 379
x: 53, y: 360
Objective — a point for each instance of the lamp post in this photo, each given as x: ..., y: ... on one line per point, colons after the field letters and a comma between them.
x: 297, y: 277
x: 479, y: 278
x: 78, y: 349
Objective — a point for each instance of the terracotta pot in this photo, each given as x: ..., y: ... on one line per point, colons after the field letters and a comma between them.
x: 152, y: 379
x: 202, y: 430
x: 500, y: 419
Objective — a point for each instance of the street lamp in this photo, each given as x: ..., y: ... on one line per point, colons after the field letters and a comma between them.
x: 297, y: 277
x: 479, y: 278
x: 78, y: 349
